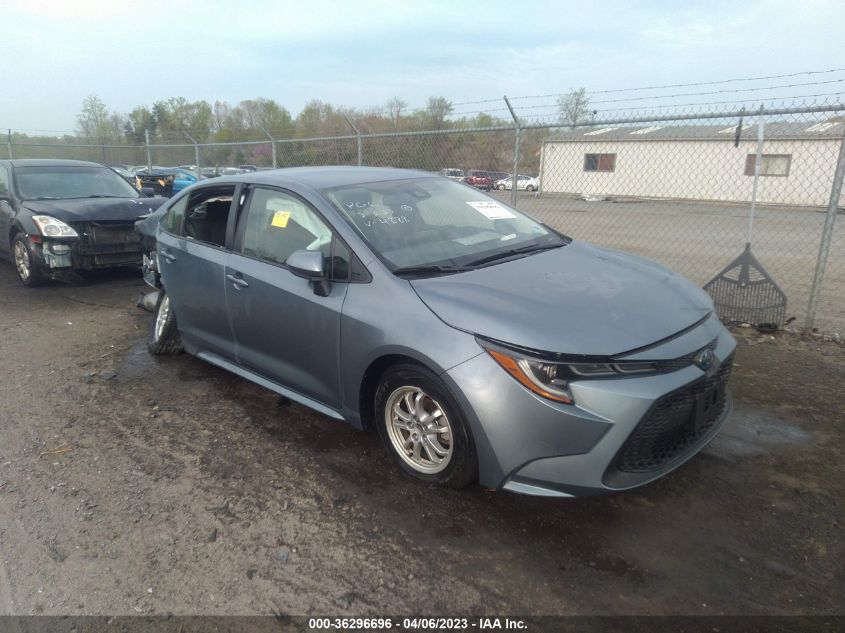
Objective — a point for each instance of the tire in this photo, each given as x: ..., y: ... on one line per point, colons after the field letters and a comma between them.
x: 25, y: 262
x: 164, y: 338
x: 398, y: 391
x: 529, y: 188
x: 500, y: 187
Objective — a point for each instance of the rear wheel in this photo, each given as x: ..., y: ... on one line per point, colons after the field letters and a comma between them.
x: 25, y: 262
x: 164, y: 338
x: 500, y: 187
x: 423, y: 428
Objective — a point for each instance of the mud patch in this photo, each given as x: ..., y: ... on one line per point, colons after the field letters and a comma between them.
x: 751, y: 432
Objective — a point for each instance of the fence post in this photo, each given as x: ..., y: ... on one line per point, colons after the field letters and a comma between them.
x: 360, y: 142
x: 196, y: 153
x: 515, y: 175
x: 827, y: 236
x: 149, y: 155
x: 272, y: 143
x: 9, y: 144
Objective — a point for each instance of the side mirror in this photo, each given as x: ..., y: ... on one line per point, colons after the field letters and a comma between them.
x: 148, y: 192
x: 310, y: 265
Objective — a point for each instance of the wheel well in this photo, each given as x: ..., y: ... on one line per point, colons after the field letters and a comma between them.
x: 369, y: 384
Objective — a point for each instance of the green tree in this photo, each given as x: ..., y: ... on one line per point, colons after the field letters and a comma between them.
x: 574, y: 107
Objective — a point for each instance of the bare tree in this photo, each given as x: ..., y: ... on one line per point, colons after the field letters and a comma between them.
x: 574, y: 107
x: 394, y: 109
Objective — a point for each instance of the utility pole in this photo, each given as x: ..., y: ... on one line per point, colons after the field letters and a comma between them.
x: 515, y: 175
x: 272, y: 142
x: 360, y: 143
x: 9, y: 144
x: 196, y: 154
x: 149, y: 155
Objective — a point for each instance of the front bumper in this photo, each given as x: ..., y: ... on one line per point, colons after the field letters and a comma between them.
x: 99, y: 245
x: 534, y: 446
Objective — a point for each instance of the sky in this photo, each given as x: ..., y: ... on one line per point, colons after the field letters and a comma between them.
x: 360, y: 54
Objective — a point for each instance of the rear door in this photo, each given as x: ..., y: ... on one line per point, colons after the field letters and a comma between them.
x: 284, y: 331
x: 193, y: 247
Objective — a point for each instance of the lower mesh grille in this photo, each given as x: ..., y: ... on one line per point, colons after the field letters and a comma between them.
x: 675, y: 423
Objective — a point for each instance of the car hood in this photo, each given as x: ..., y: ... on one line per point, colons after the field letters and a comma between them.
x: 95, y: 209
x: 577, y: 299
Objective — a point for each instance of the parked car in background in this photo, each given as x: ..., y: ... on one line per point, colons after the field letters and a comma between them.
x: 479, y: 344
x: 210, y: 172
x: 453, y: 174
x: 231, y: 171
x: 61, y: 215
x: 248, y: 168
x: 499, y: 175
x: 480, y: 179
x: 528, y: 183
x: 166, y: 181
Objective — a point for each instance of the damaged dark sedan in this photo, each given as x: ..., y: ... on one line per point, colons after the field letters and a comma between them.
x: 67, y: 215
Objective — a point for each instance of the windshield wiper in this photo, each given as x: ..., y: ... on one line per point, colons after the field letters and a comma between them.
x: 513, y: 252
x: 104, y: 195
x: 431, y: 270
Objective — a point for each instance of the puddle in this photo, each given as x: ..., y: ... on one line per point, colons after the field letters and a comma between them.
x: 137, y: 360
x: 752, y: 432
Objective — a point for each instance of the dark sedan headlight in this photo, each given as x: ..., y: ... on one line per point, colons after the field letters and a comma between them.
x: 51, y: 227
x: 551, y: 379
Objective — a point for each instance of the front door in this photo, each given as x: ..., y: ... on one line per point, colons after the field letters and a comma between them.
x: 284, y: 331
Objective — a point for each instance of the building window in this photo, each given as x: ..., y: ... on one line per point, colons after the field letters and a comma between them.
x: 770, y: 164
x: 599, y: 162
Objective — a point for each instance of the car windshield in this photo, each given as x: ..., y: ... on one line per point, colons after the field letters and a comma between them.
x: 429, y: 223
x: 70, y: 181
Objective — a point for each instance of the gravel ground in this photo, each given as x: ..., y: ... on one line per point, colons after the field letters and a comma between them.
x: 131, y: 485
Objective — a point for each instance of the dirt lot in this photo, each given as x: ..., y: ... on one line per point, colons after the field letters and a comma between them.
x: 186, y: 490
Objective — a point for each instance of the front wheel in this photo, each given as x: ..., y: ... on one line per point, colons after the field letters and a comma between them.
x: 529, y: 188
x: 164, y: 338
x: 500, y: 187
x: 25, y: 262
x: 423, y: 428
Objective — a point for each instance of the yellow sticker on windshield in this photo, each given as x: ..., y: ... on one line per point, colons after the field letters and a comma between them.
x: 280, y: 219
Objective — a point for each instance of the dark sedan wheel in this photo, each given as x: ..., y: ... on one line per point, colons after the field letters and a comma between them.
x: 164, y: 339
x: 25, y: 262
x: 423, y: 428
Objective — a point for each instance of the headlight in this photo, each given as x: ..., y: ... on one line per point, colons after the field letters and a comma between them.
x: 51, y: 227
x: 551, y: 379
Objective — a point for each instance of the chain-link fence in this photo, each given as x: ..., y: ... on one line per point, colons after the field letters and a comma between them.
x: 674, y: 187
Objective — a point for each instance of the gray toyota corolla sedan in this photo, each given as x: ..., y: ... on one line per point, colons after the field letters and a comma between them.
x: 480, y: 344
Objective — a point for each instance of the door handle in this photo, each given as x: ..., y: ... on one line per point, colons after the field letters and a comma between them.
x: 170, y: 257
x: 238, y: 281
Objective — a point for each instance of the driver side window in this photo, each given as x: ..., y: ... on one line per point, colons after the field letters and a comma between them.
x: 278, y: 224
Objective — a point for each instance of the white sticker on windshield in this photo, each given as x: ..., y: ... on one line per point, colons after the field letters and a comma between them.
x: 491, y: 210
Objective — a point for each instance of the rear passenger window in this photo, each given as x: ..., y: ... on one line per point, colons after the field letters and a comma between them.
x: 278, y: 224
x: 207, y: 215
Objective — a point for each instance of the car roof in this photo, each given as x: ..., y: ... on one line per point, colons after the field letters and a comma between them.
x: 50, y: 162
x: 328, y: 177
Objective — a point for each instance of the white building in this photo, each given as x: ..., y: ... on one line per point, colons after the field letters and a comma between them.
x: 695, y: 162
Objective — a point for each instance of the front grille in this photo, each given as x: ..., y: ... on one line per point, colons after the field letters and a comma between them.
x: 675, y: 423
x: 113, y: 233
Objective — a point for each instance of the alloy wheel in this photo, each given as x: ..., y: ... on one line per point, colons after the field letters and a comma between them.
x: 419, y: 430
x: 162, y: 316
x: 22, y: 260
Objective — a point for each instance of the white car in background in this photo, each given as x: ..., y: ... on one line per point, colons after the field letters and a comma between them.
x: 528, y: 183
x: 453, y: 174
